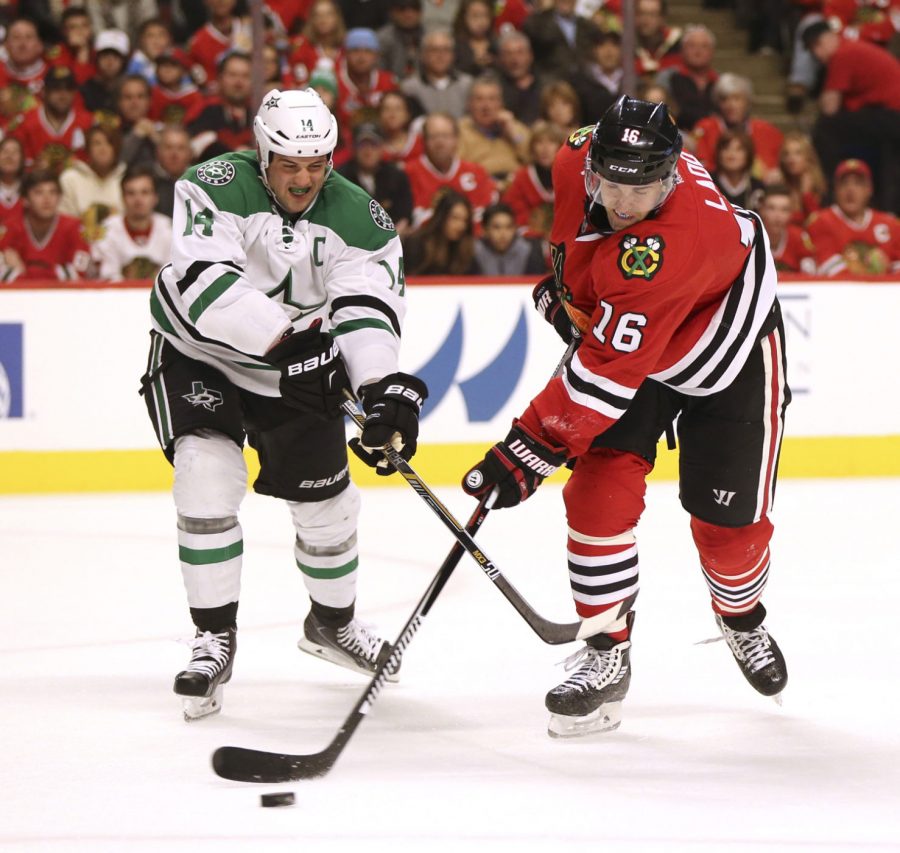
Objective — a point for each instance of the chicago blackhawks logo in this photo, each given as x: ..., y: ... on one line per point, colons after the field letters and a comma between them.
x: 209, y: 398
x: 578, y: 137
x: 216, y: 172
x: 641, y: 259
x: 380, y: 215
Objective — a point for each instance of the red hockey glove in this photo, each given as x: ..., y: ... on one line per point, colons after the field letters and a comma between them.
x: 550, y: 306
x: 313, y: 376
x: 516, y: 466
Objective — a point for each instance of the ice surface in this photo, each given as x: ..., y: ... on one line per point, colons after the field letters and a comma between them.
x: 96, y: 756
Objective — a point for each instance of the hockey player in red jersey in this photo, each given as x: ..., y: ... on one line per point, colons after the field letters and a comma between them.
x: 673, y: 292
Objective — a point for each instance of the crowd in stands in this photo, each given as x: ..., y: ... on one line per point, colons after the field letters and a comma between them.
x: 450, y: 114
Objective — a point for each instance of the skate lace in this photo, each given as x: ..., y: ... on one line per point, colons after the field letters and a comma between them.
x: 752, y: 647
x: 590, y: 664
x: 210, y: 653
x: 359, y: 639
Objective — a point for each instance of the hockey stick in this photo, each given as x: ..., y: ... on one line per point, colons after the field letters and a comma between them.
x: 554, y: 633
x: 251, y: 765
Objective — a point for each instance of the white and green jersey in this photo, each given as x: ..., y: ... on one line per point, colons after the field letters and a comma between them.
x: 242, y: 271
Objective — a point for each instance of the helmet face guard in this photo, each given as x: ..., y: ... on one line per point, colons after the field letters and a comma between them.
x: 294, y: 123
x: 636, y: 142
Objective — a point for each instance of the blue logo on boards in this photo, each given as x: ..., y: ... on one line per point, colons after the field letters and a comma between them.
x: 488, y: 391
x: 11, y: 370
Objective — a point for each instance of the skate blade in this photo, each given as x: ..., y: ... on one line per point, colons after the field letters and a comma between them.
x: 198, y: 707
x: 606, y: 718
x: 333, y: 656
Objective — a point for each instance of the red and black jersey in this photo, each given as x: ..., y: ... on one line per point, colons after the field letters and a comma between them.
x: 530, y: 200
x: 175, y: 106
x: 767, y: 140
x: 351, y: 99
x: 679, y: 297
x: 794, y: 252
x: 304, y: 58
x: 468, y: 179
x: 870, y: 247
x: 63, y: 254
x: 867, y: 20
x: 218, y: 122
x: 208, y: 45
x: 55, y: 147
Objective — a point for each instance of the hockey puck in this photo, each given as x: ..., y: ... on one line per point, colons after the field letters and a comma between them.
x: 284, y: 798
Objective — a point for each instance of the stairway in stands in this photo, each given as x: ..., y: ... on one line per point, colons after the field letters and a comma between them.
x: 766, y: 71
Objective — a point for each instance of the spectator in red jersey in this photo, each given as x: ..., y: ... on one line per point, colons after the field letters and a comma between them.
x: 225, y: 123
x: 43, y: 243
x: 859, y: 105
x: 658, y: 45
x: 561, y: 40
x: 866, y: 20
x: 530, y: 193
x: 381, y: 179
x: 599, y: 81
x: 173, y: 157
x: 139, y: 132
x: 224, y: 33
x: 491, y: 135
x: 851, y: 237
x: 12, y: 170
x: 401, y: 36
x: 22, y: 67
x: 733, y: 96
x: 733, y: 173
x: 444, y: 244
x: 791, y: 246
x: 502, y: 250
x: 473, y: 31
x: 690, y: 83
x: 174, y: 95
x: 76, y: 49
x: 137, y: 243
x: 521, y: 84
x: 560, y: 106
x: 510, y: 15
x: 400, y: 129
x: 440, y: 166
x: 111, y: 58
x: 53, y: 132
x: 322, y: 38
x: 361, y: 83
x: 153, y: 40
x: 438, y: 86
x: 91, y: 187
x: 802, y: 174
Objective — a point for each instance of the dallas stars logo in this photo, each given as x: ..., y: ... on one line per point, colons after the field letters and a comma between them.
x: 272, y: 102
x: 216, y: 172
x: 380, y: 216
x: 209, y: 398
x: 641, y: 259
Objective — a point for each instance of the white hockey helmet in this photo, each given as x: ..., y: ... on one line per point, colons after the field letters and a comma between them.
x: 295, y: 123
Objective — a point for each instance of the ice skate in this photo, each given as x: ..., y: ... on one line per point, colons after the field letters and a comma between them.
x: 352, y: 645
x: 759, y: 658
x: 590, y: 699
x: 201, y: 684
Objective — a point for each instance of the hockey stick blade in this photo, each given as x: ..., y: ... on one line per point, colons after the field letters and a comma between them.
x: 252, y: 765
x: 553, y: 633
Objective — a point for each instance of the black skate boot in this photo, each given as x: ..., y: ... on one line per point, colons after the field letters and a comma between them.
x: 210, y: 667
x: 590, y: 699
x: 351, y: 644
x: 756, y: 653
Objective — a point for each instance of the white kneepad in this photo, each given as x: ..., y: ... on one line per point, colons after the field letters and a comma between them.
x: 329, y: 523
x: 210, y: 476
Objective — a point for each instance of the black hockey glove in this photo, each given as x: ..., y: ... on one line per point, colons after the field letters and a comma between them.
x: 516, y: 466
x: 392, y: 406
x: 313, y: 376
x: 550, y: 306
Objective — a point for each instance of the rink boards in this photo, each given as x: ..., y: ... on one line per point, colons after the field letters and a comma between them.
x: 71, y: 357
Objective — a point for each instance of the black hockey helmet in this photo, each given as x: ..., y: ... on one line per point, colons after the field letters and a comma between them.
x: 636, y: 142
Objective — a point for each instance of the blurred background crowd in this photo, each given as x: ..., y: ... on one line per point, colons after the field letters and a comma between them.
x: 450, y: 114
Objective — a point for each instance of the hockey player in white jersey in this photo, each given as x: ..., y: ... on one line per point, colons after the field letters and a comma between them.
x: 286, y: 286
